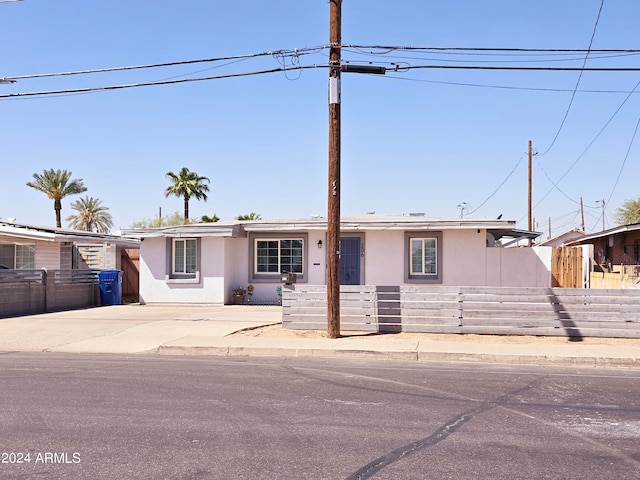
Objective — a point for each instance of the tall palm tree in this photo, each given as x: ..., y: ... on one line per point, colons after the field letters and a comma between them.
x: 56, y: 184
x: 91, y: 216
x: 187, y: 184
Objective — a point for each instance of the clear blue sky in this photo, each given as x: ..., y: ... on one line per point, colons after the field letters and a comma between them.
x: 415, y: 141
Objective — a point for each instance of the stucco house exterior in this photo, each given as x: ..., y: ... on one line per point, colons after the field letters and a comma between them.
x: 35, y: 247
x: 203, y: 263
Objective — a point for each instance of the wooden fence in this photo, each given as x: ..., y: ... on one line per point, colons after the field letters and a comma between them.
x: 613, y: 280
x: 570, y: 312
x: 566, y: 267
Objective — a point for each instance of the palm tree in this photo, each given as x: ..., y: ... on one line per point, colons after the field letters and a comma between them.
x: 56, y: 184
x: 249, y: 216
x: 187, y: 184
x: 91, y: 216
x: 208, y: 219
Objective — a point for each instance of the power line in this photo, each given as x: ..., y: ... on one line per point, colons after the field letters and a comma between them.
x: 387, y: 49
x: 276, y: 53
x: 146, y: 84
x: 626, y: 157
x: 506, y: 87
x: 589, y: 146
x: 548, y: 69
x: 573, y: 95
x: 498, y: 188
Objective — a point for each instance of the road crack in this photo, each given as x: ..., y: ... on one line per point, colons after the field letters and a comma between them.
x: 438, y: 436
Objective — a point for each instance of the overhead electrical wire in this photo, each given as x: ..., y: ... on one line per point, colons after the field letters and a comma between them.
x: 275, y: 53
x: 575, y: 162
x: 498, y: 188
x: 146, y: 84
x: 282, y: 55
x: 300, y: 67
x: 626, y: 157
x: 573, y: 95
x: 391, y: 48
x: 505, y: 87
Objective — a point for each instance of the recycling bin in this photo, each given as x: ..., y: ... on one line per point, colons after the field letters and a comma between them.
x: 110, y: 283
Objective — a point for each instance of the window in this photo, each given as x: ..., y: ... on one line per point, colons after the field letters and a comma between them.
x: 279, y: 256
x: 423, y: 257
x: 184, y: 256
x: 18, y: 256
x: 272, y: 256
x: 424, y: 260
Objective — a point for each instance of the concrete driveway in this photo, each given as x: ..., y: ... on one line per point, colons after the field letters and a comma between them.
x: 128, y: 328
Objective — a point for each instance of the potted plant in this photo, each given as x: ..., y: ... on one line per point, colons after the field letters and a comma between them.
x: 238, y: 295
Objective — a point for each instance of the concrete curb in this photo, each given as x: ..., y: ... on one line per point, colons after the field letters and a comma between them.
x: 402, y: 355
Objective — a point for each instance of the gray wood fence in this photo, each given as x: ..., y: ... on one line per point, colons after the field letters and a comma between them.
x: 24, y: 292
x: 570, y: 312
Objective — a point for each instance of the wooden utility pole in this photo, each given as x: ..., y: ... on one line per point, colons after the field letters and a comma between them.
x: 333, y: 216
x: 582, y: 213
x: 529, y: 195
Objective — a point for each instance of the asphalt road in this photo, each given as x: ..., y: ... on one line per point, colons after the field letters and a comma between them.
x: 148, y: 417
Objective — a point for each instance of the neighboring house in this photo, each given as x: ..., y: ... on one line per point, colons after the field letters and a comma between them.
x: 34, y: 247
x: 563, y: 238
x: 614, y: 249
x: 203, y: 263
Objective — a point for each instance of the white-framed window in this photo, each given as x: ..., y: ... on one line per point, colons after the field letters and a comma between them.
x: 185, y: 256
x: 424, y: 256
x: 18, y: 256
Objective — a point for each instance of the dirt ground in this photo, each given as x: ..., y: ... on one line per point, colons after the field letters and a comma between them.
x: 280, y: 332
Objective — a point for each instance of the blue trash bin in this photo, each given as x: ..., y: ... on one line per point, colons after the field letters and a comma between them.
x: 110, y: 282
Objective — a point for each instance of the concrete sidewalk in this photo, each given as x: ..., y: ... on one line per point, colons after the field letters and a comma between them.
x: 213, y: 330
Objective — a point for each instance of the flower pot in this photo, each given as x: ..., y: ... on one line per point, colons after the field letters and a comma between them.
x: 238, y: 299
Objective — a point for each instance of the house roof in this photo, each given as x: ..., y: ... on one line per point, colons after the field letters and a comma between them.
x: 499, y: 228
x: 634, y: 227
x: 210, y: 229
x: 17, y: 232
x: 563, y: 238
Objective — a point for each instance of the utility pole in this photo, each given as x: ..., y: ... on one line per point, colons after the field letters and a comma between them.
x: 333, y: 217
x: 530, y: 242
x: 602, y: 201
x: 582, y: 213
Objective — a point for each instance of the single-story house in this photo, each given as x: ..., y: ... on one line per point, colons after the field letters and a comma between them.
x: 563, y: 238
x: 35, y: 247
x: 615, y: 248
x: 203, y: 263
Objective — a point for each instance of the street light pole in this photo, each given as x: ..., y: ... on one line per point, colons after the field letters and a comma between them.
x: 333, y: 216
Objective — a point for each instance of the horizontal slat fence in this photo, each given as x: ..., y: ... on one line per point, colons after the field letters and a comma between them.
x: 24, y: 292
x: 571, y: 312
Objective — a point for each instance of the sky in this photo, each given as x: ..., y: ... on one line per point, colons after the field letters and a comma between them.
x: 444, y: 142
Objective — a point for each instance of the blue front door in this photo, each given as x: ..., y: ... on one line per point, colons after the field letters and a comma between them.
x: 350, y: 252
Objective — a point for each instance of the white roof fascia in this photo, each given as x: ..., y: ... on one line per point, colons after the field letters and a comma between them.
x: 607, y: 233
x: 59, y: 236
x: 383, y: 223
x: 184, y: 231
x: 27, y: 234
